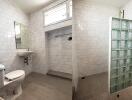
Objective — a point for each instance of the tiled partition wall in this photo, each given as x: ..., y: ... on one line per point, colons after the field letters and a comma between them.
x: 121, y: 54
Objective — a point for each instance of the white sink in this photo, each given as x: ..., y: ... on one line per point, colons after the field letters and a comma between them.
x: 24, y: 52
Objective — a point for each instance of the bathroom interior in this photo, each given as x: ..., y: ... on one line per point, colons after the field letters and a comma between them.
x: 65, y: 49
x: 36, y: 50
x: 102, y: 31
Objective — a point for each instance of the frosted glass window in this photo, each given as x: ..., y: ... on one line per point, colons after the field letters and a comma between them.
x: 17, y: 29
x: 56, y: 14
x: 70, y: 8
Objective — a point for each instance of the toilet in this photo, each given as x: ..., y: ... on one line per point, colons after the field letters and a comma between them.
x: 10, y: 83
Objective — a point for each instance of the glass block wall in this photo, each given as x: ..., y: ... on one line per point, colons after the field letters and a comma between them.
x: 121, y: 55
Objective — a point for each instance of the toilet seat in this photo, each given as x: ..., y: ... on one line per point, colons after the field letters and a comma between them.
x: 14, y: 75
x: 12, y: 84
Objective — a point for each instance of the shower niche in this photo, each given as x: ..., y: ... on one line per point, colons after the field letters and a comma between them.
x: 120, y: 54
x: 59, y: 51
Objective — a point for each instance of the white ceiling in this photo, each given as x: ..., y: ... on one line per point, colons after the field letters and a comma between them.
x: 29, y: 6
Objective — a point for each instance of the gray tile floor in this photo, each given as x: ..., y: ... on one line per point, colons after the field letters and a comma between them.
x: 95, y: 87
x: 43, y: 87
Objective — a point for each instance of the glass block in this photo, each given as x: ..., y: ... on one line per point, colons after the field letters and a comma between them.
x: 121, y: 79
x: 114, y: 64
x: 114, y: 54
x: 130, y: 76
x: 127, y: 75
x: 123, y: 35
x: 124, y: 69
x: 124, y: 24
x: 129, y: 61
x: 120, y: 71
x: 114, y: 72
x: 130, y: 24
x: 122, y: 54
x: 126, y: 80
x: 116, y: 24
x: 129, y: 53
x: 130, y: 68
x: 129, y: 82
x: 116, y: 88
x: 122, y: 44
x: 113, y: 89
x: 129, y: 44
x: 122, y: 85
x: 121, y: 63
x: 115, y: 34
x: 114, y: 44
x: 114, y: 81
x: 130, y: 35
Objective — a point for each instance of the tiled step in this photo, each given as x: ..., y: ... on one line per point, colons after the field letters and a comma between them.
x: 60, y: 74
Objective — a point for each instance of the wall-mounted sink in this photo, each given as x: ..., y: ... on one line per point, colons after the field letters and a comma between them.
x: 24, y: 52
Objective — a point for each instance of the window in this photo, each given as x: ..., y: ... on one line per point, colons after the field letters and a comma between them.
x: 70, y: 8
x: 58, y: 13
x: 17, y: 29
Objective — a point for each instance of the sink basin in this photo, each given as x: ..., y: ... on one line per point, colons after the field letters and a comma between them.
x: 24, y: 52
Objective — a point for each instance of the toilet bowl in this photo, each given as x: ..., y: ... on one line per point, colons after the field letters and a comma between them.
x: 11, y: 87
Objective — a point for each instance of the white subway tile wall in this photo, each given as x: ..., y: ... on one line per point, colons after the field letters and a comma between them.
x: 38, y: 42
x: 39, y: 39
x: 91, y: 26
x: 60, y: 50
x: 8, y: 14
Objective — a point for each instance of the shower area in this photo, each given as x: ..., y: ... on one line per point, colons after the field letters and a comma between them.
x: 59, y: 52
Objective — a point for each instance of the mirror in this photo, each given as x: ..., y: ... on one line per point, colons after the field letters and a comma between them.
x: 21, y: 36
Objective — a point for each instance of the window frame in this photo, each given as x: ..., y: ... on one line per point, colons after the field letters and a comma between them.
x: 67, y: 13
x: 69, y: 8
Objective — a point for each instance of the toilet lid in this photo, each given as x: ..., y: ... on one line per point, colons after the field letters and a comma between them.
x: 14, y: 74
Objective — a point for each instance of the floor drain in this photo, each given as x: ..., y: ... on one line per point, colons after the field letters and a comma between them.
x: 83, y: 77
x: 118, y: 95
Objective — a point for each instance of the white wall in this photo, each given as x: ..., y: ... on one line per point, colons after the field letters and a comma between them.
x: 8, y: 14
x: 38, y: 30
x: 128, y: 10
x: 60, y: 50
x: 75, y: 71
x: 38, y: 42
x: 91, y: 30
